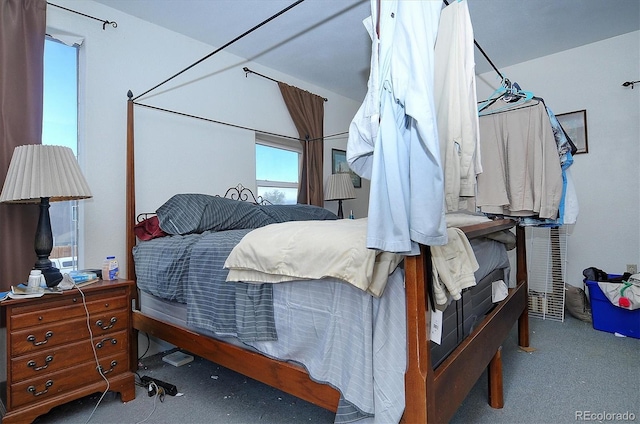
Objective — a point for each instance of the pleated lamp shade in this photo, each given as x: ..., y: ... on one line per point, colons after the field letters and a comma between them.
x: 38, y: 171
x: 339, y: 187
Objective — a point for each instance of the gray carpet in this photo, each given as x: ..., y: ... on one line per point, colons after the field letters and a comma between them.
x: 573, y: 370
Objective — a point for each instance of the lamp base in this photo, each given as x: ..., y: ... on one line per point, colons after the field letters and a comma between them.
x: 44, y: 245
x: 52, y: 275
x: 340, y: 214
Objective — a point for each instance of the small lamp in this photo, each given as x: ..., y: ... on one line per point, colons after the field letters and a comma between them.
x: 42, y: 174
x: 339, y: 187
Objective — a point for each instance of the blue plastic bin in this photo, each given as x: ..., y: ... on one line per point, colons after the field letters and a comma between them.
x: 610, y: 318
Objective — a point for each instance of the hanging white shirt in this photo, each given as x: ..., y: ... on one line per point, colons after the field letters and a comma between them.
x: 456, y: 105
x: 401, y: 156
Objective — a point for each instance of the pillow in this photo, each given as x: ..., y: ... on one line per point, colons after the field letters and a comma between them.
x: 196, y: 213
x: 284, y: 213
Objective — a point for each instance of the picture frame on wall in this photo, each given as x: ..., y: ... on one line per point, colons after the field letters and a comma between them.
x: 575, y: 125
x: 339, y: 164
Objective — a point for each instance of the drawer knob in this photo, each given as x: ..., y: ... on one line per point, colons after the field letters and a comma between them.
x: 101, y: 343
x: 104, y: 372
x: 112, y: 321
x: 32, y: 389
x: 32, y: 363
x: 31, y: 338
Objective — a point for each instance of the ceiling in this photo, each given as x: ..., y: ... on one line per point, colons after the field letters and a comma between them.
x: 324, y: 42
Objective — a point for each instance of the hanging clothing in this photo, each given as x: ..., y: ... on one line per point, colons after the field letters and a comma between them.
x: 521, y: 169
x: 456, y: 105
x: 363, y: 129
x: 402, y: 155
x: 454, y: 265
x: 568, y: 207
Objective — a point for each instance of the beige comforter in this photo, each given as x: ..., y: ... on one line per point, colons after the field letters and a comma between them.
x: 312, y: 250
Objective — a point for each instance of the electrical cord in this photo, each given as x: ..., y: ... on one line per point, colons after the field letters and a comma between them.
x: 159, y: 394
x: 95, y: 354
x: 148, y: 346
x: 159, y: 391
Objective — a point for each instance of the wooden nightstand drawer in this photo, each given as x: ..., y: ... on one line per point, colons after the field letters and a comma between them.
x: 49, y: 354
x: 36, y: 364
x: 63, y: 381
x: 67, y: 307
x: 42, y: 337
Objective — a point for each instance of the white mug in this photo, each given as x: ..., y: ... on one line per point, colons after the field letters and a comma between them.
x: 35, y: 279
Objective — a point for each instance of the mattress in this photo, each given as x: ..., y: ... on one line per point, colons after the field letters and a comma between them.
x: 461, y: 316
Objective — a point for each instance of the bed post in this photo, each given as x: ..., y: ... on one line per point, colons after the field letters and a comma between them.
x: 522, y: 278
x: 419, y: 399
x: 130, y: 238
x: 130, y: 189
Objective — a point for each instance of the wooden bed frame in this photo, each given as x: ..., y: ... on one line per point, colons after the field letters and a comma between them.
x: 431, y: 395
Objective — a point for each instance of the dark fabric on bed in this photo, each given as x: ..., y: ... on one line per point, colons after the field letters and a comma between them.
x: 162, y: 265
x: 149, y: 229
x: 189, y: 269
x: 230, y: 307
x: 196, y: 213
x: 285, y: 213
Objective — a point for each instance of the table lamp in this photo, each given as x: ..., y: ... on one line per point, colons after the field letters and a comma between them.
x: 42, y: 174
x: 339, y: 187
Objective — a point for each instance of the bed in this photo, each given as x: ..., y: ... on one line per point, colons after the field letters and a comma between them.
x: 426, y: 383
x: 293, y: 363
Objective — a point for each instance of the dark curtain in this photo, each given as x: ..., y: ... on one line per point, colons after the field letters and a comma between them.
x: 22, y: 32
x: 307, y: 111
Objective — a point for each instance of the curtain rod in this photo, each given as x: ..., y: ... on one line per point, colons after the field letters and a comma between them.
x: 114, y: 24
x: 482, y: 51
x: 286, y: 9
x: 249, y: 71
x: 234, y: 125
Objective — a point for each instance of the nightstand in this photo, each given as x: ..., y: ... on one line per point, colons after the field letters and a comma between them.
x: 50, y: 357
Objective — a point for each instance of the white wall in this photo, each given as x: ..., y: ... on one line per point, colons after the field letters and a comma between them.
x: 136, y: 56
x: 607, y: 179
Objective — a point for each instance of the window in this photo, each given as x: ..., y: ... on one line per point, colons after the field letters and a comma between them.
x: 60, y: 127
x: 278, y: 169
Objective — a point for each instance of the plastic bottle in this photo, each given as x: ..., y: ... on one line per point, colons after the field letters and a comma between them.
x: 36, y: 279
x: 110, y: 269
x: 351, y: 215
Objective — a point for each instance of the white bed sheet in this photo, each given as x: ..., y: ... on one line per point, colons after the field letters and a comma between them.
x: 355, y: 343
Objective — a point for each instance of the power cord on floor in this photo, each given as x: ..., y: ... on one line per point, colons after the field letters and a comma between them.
x: 159, y: 394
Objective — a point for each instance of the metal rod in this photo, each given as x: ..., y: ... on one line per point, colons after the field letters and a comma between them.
x: 223, y: 47
x: 214, y: 121
x: 233, y: 125
x: 104, y: 22
x: 482, y: 51
x: 249, y: 71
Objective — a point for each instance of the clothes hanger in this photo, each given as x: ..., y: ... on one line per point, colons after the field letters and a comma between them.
x: 514, y: 96
x: 505, y: 87
x: 510, y: 108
